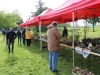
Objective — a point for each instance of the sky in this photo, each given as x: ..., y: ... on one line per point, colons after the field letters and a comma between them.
x: 25, y: 7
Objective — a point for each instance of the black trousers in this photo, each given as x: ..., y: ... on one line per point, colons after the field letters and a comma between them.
x: 28, y: 42
x: 6, y: 41
x: 10, y: 42
x: 24, y: 40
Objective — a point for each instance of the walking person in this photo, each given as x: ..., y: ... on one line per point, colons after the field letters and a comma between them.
x: 23, y: 36
x: 28, y: 37
x: 4, y: 34
x: 19, y: 36
x: 11, y: 36
x: 53, y: 37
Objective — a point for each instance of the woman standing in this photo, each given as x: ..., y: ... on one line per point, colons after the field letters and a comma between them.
x: 65, y: 32
x: 28, y: 37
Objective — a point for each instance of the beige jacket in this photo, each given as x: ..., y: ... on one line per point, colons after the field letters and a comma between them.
x: 53, y: 37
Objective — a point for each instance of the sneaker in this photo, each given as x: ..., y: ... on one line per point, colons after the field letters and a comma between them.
x: 55, y: 71
x: 50, y: 68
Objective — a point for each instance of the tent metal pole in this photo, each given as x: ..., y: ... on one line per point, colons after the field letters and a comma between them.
x: 65, y: 24
x: 76, y: 28
x: 73, y: 36
x: 40, y: 35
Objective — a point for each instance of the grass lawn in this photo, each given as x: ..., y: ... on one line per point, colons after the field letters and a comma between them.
x: 33, y: 61
x: 29, y: 61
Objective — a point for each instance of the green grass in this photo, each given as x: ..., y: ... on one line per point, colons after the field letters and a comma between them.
x: 89, y: 34
x: 33, y: 61
x: 29, y: 61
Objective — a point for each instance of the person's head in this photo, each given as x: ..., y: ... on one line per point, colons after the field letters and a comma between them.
x: 11, y: 29
x: 18, y: 30
x: 3, y: 29
x: 54, y: 23
x: 28, y: 29
x: 64, y: 28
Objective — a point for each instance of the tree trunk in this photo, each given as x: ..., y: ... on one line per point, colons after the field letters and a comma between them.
x: 93, y: 27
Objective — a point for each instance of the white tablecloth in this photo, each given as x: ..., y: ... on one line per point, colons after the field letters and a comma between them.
x: 84, y: 52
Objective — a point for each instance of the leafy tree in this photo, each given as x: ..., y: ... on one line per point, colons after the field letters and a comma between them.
x: 40, y: 8
x: 17, y: 16
x: 93, y: 21
x: 9, y: 19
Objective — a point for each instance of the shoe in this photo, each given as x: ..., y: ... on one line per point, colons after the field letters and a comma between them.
x: 50, y: 68
x: 55, y: 71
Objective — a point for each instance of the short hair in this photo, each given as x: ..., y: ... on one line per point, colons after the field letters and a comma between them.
x: 28, y: 29
x: 11, y: 29
x: 54, y: 23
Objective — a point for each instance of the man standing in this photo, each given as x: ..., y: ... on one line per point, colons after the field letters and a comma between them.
x: 23, y: 36
x: 53, y: 37
x: 11, y: 36
x: 19, y: 36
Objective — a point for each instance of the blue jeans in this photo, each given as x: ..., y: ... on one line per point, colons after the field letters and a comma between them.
x: 10, y: 42
x: 53, y: 59
x: 19, y: 39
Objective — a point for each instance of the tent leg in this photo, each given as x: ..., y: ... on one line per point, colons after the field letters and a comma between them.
x: 40, y: 35
x: 73, y: 37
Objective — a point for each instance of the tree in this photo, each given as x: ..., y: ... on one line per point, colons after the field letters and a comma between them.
x: 40, y: 8
x: 17, y: 16
x: 9, y: 19
x: 93, y: 21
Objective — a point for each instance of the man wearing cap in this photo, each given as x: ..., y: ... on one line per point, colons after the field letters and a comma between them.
x: 53, y: 37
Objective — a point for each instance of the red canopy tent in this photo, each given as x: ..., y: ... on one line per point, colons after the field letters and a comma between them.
x: 81, y: 8
x: 73, y: 10
x: 23, y: 24
x: 34, y: 21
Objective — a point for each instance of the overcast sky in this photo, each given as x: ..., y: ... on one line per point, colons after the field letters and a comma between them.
x: 27, y: 6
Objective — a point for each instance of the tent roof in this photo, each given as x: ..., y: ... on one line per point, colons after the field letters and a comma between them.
x: 34, y: 21
x: 82, y: 9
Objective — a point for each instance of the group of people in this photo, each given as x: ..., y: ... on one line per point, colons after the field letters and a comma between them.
x: 11, y: 35
x: 53, y: 36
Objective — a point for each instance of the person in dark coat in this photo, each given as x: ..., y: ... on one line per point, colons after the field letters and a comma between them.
x: 65, y: 32
x: 3, y: 33
x: 19, y: 36
x: 11, y: 36
x: 6, y: 36
x: 23, y: 35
